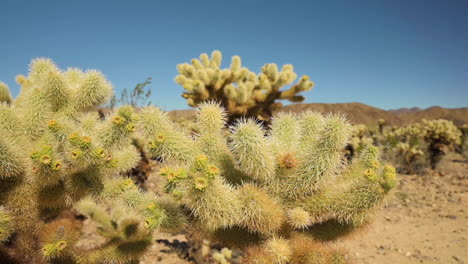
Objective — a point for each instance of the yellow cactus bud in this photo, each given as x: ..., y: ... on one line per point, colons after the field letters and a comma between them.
x: 287, y: 161
x: 85, y: 141
x: 127, y: 184
x: 200, y: 183
x: 57, y: 165
x: 73, y: 136
x: 177, y: 194
x: 131, y: 127
x: 52, y: 249
x: 201, y: 162
x: 52, y: 123
x: 151, y: 206
x: 45, y: 159
x: 75, y: 154
x: 111, y: 162
x: 164, y: 171
x: 98, y: 153
x: 118, y: 120
x: 212, y: 171
x: 370, y: 175
x: 171, y: 176
x: 157, y: 141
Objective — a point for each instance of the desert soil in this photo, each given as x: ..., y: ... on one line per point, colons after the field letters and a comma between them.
x: 426, y: 222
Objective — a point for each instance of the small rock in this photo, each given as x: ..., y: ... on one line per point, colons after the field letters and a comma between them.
x: 408, y: 254
x: 452, y: 216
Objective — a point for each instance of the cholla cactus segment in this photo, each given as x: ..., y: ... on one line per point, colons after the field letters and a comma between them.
x: 5, y: 96
x: 168, y: 141
x: 130, y: 222
x: 11, y: 161
x: 299, y: 218
x: 279, y: 249
x: 92, y: 91
x: 291, y: 179
x: 6, y: 225
x: 260, y: 212
x: 240, y: 91
x: 252, y: 152
x: 55, y: 155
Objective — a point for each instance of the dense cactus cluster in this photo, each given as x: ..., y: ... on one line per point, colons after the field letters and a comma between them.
x: 269, y: 190
x: 241, y: 92
x: 440, y: 134
x: 424, y: 142
x: 361, y: 136
x: 56, y: 155
x: 279, y: 189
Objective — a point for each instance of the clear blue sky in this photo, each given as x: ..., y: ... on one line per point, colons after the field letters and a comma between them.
x: 388, y: 54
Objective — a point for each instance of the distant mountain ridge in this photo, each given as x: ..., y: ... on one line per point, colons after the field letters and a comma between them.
x: 405, y: 110
x: 358, y: 113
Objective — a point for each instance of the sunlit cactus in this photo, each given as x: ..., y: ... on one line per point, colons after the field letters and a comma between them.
x: 5, y: 96
x: 425, y: 142
x: 360, y: 138
x: 463, y: 148
x: 241, y: 92
x: 440, y: 134
x: 270, y: 191
x: 54, y: 155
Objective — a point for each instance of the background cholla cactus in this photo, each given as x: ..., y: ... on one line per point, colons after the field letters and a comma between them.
x: 361, y: 137
x: 54, y: 154
x: 406, y: 147
x: 409, y: 156
x: 464, y: 145
x: 381, y: 123
x: 440, y: 134
x: 424, y: 142
x: 241, y: 92
x: 276, y: 194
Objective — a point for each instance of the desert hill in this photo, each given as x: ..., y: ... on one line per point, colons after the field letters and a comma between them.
x: 359, y: 113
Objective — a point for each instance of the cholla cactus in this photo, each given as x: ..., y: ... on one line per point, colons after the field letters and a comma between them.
x: 463, y: 149
x: 414, y: 141
x: 241, y: 92
x: 439, y: 134
x: 247, y: 189
x: 410, y: 156
x: 381, y: 123
x: 406, y: 146
x: 55, y: 154
x: 360, y: 138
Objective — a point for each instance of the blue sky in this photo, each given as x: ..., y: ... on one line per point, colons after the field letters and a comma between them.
x: 387, y: 54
